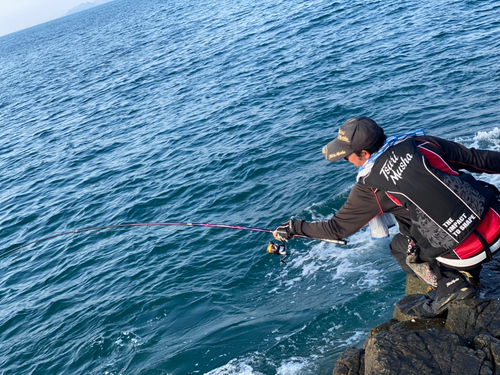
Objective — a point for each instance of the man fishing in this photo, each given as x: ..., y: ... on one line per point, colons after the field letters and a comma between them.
x: 448, y: 220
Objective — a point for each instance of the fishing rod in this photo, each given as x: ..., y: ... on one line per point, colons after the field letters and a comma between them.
x: 272, y: 248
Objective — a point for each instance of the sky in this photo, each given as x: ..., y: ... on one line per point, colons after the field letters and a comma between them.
x: 16, y: 15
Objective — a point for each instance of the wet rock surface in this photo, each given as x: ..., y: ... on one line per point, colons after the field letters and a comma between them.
x: 463, y: 340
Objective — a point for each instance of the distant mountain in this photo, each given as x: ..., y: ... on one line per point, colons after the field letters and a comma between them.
x: 85, y: 6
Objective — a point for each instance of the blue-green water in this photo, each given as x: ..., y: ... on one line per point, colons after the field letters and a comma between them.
x: 213, y: 112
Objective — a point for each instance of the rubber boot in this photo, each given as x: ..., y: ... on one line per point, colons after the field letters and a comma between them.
x: 453, y: 286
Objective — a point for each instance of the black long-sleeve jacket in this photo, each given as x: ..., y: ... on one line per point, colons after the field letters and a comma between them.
x: 365, y: 203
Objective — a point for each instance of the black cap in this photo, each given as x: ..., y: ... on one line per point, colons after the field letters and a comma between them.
x: 357, y: 133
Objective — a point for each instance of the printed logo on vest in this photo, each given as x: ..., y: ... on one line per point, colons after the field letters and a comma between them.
x: 394, y: 167
x: 455, y: 227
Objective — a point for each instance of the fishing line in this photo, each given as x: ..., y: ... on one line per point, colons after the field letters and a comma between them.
x: 278, y: 249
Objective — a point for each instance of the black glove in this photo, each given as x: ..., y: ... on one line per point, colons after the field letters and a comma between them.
x: 284, y: 232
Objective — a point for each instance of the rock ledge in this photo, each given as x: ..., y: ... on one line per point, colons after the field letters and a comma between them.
x: 466, y: 340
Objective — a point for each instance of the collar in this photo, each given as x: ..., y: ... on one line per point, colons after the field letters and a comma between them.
x: 366, y: 168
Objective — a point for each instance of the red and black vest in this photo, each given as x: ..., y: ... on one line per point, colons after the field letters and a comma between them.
x: 450, y: 211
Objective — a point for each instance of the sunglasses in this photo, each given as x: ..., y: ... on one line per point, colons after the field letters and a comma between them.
x: 346, y: 158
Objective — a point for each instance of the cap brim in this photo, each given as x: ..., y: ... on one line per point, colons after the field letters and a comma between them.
x: 336, y: 150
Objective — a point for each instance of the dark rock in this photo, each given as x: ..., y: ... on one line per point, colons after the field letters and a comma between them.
x: 415, y: 285
x: 434, y: 351
x: 491, y: 346
x: 395, y: 326
x: 384, y: 327
x: 408, y: 308
x: 490, y: 280
x: 464, y: 340
x: 418, y: 325
x: 472, y: 317
x: 350, y: 362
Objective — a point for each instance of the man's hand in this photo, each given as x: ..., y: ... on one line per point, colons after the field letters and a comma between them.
x: 284, y: 232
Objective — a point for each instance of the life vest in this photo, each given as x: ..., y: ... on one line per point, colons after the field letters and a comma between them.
x: 450, y: 211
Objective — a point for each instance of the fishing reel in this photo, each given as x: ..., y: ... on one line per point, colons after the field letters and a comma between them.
x: 278, y: 249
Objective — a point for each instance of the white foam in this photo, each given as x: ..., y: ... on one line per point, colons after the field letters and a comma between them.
x: 358, y: 335
x: 290, y: 282
x: 340, y: 262
x: 372, y: 279
x: 289, y: 366
x: 335, y: 327
x: 485, y: 140
x: 313, y: 208
x: 236, y: 367
x: 296, y: 366
x: 342, y: 270
x: 492, y: 137
x: 129, y: 339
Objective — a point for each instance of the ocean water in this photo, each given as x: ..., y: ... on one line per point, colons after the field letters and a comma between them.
x: 215, y: 112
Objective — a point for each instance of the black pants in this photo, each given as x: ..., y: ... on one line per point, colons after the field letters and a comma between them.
x: 399, y: 246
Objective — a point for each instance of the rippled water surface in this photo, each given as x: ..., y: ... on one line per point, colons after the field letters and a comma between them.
x: 216, y: 112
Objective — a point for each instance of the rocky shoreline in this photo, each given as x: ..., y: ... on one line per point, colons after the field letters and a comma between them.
x: 465, y: 340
